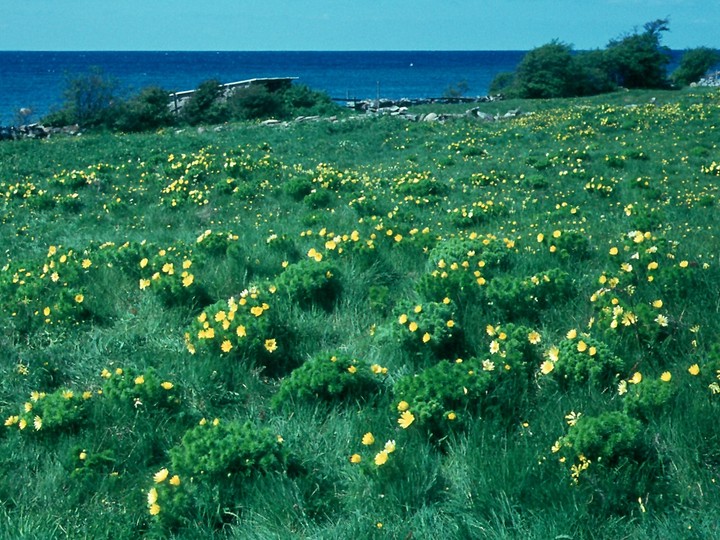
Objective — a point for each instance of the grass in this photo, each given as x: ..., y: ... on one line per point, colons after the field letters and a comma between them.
x: 569, y: 257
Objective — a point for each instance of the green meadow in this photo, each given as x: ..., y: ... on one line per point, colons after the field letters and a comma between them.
x: 367, y: 328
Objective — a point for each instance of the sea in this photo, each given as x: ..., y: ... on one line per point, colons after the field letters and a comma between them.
x: 36, y: 80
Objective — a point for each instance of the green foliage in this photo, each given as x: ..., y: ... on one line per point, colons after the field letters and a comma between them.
x: 524, y: 298
x: 56, y: 412
x: 311, y: 283
x: 649, y: 398
x: 330, y: 377
x: 606, y: 438
x: 545, y: 72
x: 222, y: 451
x: 639, y: 60
x: 446, y: 394
x: 695, y: 63
x: 131, y: 389
x: 585, y: 360
x: 205, y: 106
x: 255, y: 102
x: 144, y: 112
x: 88, y: 100
x: 430, y: 327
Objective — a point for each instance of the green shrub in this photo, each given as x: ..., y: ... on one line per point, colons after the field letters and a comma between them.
x: 139, y: 390
x: 245, y: 328
x: 649, y: 398
x: 694, y: 64
x: 524, y: 298
x: 429, y: 327
x: 444, y: 395
x: 331, y: 378
x: 581, y: 359
x: 59, y: 411
x: 147, y: 111
x: 311, y: 283
x: 206, y: 105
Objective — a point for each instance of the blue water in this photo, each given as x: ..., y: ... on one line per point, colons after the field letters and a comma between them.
x: 36, y: 80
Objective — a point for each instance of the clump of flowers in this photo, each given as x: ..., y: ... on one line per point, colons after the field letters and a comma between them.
x: 330, y: 377
x: 609, y: 456
x: 141, y: 390
x: 459, y: 268
x: 445, y: 395
x: 375, y: 454
x: 582, y: 359
x: 60, y: 410
x: 429, y: 326
x: 170, y: 274
x: 242, y: 327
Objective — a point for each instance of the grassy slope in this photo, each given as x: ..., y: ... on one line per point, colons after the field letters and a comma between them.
x: 114, y: 200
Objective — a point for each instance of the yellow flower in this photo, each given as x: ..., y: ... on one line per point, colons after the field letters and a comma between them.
x: 413, y: 326
x: 152, y: 496
x: 352, y: 369
x: 406, y: 418
x: 582, y: 346
x: 368, y: 439
x: 355, y: 458
x: 381, y: 458
x: 403, y: 318
x: 140, y: 379
x: 167, y: 385
x: 546, y: 367
x: 390, y: 446
x: 694, y: 370
x: 636, y: 378
x: 175, y: 480
x: 226, y: 346
x: 143, y: 262
x: 426, y: 337
x: 666, y: 376
x: 494, y: 347
x: 160, y: 476
x: 188, y: 280
x: 79, y: 298
x: 657, y: 304
x: 572, y: 334
x: 534, y: 337
x: 241, y: 332
x: 154, y: 509
x: 86, y: 263
x: 37, y: 423
x: 270, y: 345
x: 572, y: 417
x: 144, y: 284
x: 403, y: 406
x: 451, y: 416
x: 622, y: 388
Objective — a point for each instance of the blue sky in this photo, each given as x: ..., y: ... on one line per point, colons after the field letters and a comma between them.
x: 344, y: 24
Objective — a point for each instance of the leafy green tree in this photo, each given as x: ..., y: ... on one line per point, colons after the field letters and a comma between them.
x: 545, y: 72
x: 639, y: 60
x: 695, y: 63
x: 89, y: 99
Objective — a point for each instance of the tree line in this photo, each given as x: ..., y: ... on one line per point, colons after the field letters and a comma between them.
x: 93, y: 101
x: 636, y: 60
